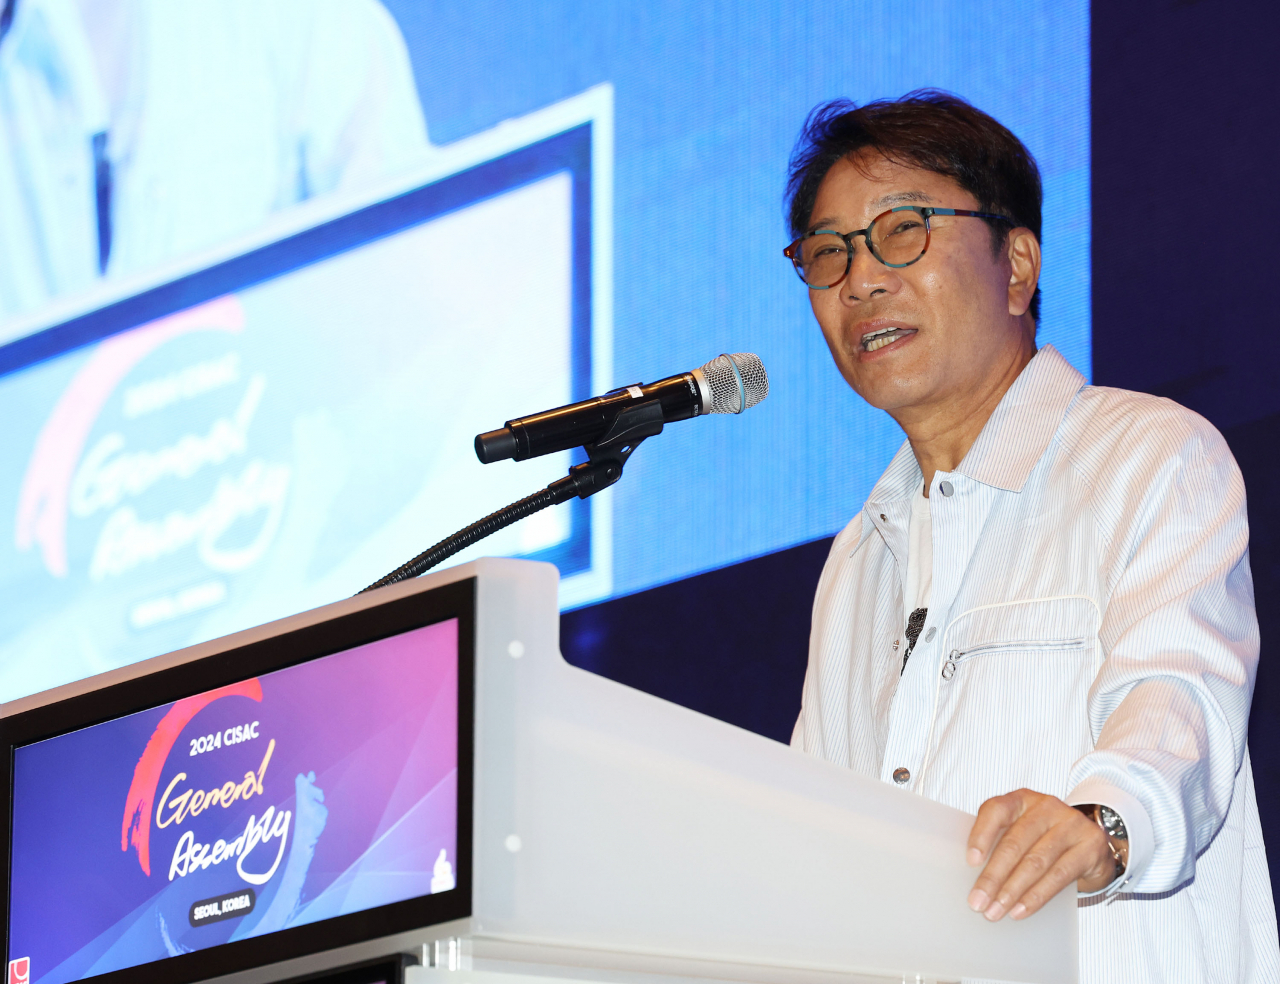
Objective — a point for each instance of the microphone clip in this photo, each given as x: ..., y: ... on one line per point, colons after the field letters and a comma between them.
x: 607, y: 456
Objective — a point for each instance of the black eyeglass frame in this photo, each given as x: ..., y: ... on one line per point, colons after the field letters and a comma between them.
x: 926, y: 212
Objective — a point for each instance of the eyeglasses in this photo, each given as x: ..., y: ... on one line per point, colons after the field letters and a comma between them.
x: 897, y: 238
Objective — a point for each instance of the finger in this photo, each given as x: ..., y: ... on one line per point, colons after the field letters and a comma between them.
x: 1020, y: 838
x: 1065, y: 871
x: 995, y: 816
x: 1035, y: 864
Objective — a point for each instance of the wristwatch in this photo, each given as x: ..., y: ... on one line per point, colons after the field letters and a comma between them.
x: 1113, y: 826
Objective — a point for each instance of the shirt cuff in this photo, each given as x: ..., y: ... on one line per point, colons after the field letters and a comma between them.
x: 1137, y: 822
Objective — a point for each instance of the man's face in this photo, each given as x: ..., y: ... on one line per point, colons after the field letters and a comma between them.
x: 952, y: 327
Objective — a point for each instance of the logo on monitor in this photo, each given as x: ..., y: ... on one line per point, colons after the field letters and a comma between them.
x: 20, y: 971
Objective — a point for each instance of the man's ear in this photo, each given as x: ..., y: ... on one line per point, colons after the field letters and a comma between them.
x: 1024, y: 265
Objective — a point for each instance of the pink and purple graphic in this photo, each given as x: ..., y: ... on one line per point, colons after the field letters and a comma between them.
x: 307, y: 793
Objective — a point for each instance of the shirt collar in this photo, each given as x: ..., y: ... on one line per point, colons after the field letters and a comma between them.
x: 900, y: 480
x: 1024, y: 422
x: 1012, y: 440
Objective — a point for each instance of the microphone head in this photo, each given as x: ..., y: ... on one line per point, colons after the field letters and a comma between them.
x: 736, y: 382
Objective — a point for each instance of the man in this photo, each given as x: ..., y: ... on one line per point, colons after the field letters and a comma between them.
x: 135, y: 132
x: 1044, y: 613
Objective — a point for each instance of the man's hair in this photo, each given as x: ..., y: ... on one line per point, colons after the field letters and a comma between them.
x: 931, y: 130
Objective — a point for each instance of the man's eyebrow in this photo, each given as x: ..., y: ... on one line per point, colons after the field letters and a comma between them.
x: 898, y: 197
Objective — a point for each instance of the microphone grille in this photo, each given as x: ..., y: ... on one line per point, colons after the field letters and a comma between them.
x: 737, y: 382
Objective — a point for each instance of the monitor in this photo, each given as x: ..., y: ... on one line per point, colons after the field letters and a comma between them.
x: 270, y: 800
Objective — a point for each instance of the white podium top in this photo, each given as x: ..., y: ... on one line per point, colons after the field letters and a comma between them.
x: 609, y: 821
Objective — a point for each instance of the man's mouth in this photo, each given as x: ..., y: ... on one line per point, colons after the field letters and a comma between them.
x: 878, y: 339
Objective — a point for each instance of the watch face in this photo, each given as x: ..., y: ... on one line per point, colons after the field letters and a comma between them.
x: 1112, y: 823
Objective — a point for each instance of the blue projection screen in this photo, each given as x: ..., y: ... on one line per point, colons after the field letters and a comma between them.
x: 245, y: 346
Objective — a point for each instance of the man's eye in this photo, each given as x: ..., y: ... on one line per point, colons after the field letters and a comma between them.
x: 903, y: 226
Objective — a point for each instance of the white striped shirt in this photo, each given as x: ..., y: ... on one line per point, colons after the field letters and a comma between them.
x: 1091, y: 634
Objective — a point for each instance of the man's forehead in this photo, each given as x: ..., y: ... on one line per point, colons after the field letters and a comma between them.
x: 862, y: 189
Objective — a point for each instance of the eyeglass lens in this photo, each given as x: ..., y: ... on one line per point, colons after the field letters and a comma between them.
x: 896, y: 238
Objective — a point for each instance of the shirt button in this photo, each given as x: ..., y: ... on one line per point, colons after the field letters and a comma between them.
x: 928, y: 636
x: 901, y: 776
x: 882, y: 517
x: 945, y: 488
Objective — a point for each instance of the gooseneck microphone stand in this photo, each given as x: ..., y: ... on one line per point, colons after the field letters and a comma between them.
x: 603, y: 467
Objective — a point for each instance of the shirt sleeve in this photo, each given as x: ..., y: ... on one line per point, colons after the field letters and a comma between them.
x: 1136, y: 821
x: 1169, y: 707
x: 358, y: 115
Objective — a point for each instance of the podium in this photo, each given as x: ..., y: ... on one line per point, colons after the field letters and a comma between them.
x: 618, y: 837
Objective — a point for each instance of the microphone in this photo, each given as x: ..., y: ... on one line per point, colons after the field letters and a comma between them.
x: 726, y: 384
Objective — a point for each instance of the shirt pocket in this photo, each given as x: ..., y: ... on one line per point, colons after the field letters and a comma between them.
x: 1031, y: 627
x: 1028, y: 646
x: 1013, y: 697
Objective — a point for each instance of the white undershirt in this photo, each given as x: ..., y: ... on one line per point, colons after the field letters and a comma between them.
x: 919, y: 555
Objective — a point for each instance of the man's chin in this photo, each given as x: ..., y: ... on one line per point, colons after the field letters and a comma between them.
x: 890, y: 392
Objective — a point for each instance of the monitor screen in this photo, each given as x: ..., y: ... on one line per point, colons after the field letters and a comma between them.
x: 285, y: 799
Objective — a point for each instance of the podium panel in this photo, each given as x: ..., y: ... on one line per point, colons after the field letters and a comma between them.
x: 602, y: 833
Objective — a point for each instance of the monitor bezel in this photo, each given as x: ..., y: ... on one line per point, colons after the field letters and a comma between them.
x: 383, y: 970
x: 289, y: 647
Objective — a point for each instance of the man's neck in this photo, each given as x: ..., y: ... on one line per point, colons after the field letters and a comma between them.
x: 942, y: 435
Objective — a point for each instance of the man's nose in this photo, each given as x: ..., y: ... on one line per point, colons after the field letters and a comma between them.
x: 868, y: 277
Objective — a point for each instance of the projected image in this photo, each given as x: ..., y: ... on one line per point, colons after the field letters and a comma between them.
x: 264, y: 276
x: 135, y: 132
x: 311, y: 792
x: 271, y: 449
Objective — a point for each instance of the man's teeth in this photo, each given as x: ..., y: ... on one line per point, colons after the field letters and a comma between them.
x: 879, y: 339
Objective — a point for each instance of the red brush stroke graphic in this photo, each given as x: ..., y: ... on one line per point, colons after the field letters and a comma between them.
x: 42, y: 503
x: 136, y: 827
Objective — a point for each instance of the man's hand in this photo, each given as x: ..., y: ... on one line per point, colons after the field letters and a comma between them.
x: 1037, y: 846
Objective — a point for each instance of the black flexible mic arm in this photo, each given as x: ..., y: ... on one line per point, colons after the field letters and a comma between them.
x: 603, y: 467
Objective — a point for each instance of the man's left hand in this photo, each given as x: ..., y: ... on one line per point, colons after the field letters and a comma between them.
x: 1037, y: 846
